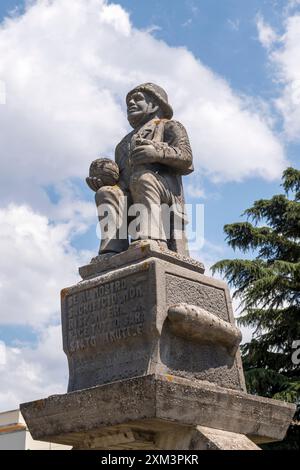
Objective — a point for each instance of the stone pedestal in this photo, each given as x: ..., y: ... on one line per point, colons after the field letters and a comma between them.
x: 154, y: 362
x: 149, y: 311
x: 158, y: 412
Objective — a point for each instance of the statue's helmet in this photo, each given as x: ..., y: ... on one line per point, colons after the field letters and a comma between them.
x: 159, y: 94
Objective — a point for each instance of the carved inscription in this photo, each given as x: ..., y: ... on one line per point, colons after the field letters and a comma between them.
x: 108, y: 365
x: 122, y: 364
x: 106, y: 313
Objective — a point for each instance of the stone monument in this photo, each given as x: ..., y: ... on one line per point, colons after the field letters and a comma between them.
x: 151, y: 341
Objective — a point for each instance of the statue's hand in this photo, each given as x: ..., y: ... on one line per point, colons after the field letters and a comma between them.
x: 94, y: 183
x: 144, y: 152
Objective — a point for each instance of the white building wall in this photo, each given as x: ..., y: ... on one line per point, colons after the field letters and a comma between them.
x: 31, y: 444
x: 14, y: 434
x: 13, y: 440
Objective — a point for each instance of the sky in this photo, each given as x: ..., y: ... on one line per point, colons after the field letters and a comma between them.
x: 232, y: 72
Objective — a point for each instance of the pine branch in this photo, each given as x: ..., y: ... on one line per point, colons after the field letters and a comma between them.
x: 270, y: 244
x: 291, y: 181
x: 280, y: 213
x: 268, y: 287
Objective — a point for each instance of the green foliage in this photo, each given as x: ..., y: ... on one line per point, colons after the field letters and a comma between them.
x: 268, y: 287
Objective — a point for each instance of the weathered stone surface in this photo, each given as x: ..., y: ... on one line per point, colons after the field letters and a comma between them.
x: 215, y: 439
x: 149, y: 409
x: 103, y: 171
x: 151, y: 342
x: 150, y: 163
x: 197, y: 324
x: 138, y: 251
x: 116, y: 325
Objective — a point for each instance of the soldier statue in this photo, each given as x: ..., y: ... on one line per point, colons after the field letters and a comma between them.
x: 149, y: 163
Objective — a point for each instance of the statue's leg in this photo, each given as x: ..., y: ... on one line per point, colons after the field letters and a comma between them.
x: 151, y: 199
x: 111, y: 204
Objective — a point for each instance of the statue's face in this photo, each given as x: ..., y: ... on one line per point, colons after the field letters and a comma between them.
x: 140, y: 108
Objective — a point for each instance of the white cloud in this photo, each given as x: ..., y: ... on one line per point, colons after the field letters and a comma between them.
x: 209, y: 254
x: 233, y: 24
x: 247, y: 331
x: 2, y: 353
x: 114, y: 16
x: 188, y: 22
x: 2, y: 92
x: 266, y: 34
x: 67, y: 66
x: 194, y: 190
x: 38, y: 371
x: 284, y: 56
x: 36, y: 262
x: 293, y: 3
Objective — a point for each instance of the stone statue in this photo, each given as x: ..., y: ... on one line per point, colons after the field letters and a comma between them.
x: 151, y: 341
x: 149, y: 163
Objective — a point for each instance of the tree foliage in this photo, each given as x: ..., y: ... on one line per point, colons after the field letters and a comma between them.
x: 268, y: 286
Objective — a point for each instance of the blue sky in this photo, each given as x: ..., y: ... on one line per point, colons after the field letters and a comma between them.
x: 224, y: 36
x: 233, y: 78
